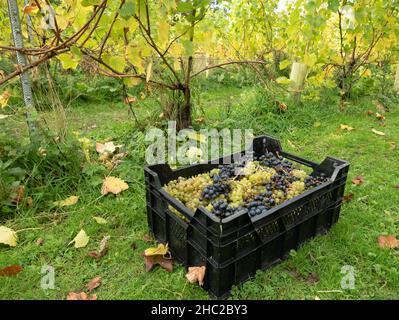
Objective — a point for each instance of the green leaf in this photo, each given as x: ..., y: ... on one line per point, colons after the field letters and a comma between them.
x: 283, y: 80
x: 128, y: 10
x: 117, y: 63
x: 88, y: 3
x: 188, y: 47
x: 76, y: 51
x: 310, y: 59
x: 333, y: 5
x: 184, y: 7
x: 68, y: 61
x: 284, y: 64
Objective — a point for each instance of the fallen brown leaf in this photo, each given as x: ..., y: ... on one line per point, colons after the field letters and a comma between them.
x: 80, y: 296
x: 200, y: 120
x: 18, y: 195
x: 196, y: 274
x: 348, y: 197
x: 282, y: 106
x: 102, y: 250
x: 369, y: 113
x: 104, y: 157
x: 10, y: 271
x: 39, y: 241
x: 29, y: 8
x: 164, y: 262
x: 113, y: 185
x: 94, y: 283
x: 358, y: 180
x: 129, y: 100
x: 396, y: 186
x: 311, y: 278
x: 388, y: 242
x: 379, y: 116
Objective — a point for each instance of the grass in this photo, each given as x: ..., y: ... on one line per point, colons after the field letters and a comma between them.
x: 311, y: 131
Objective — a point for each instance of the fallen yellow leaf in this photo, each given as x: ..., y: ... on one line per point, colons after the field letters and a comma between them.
x: 100, y: 220
x: 67, y: 202
x: 379, y: 116
x: 346, y: 127
x: 378, y: 132
x: 81, y: 240
x: 4, y: 99
x: 160, y: 250
x: 108, y: 147
x: 8, y: 236
x: 113, y: 185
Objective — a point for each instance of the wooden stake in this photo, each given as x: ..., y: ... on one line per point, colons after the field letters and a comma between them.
x: 396, y: 84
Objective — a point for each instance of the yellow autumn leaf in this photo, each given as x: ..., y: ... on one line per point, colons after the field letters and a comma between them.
x: 283, y: 80
x: 131, y: 82
x: 366, y: 73
x: 310, y: 59
x: 67, y: 202
x: 81, y: 240
x: 284, y: 64
x: 163, y: 32
x: 379, y: 133
x: 8, y: 236
x: 100, y: 220
x: 346, y: 127
x: 108, y: 147
x: 160, y: 250
x: 113, y: 185
x: 4, y: 99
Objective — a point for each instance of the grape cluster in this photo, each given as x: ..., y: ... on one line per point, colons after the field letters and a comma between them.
x: 311, y: 182
x: 252, y: 186
x: 222, y: 209
x: 257, y: 207
x: 212, y: 191
x: 272, y: 160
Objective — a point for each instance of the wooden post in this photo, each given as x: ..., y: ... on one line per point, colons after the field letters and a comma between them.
x: 396, y: 84
x: 298, y: 75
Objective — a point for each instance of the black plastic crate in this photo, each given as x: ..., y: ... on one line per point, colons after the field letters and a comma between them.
x: 234, y: 248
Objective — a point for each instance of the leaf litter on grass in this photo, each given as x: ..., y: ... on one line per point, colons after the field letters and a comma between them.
x: 158, y: 256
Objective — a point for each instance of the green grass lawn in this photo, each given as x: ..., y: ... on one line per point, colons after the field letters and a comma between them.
x: 311, y: 132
